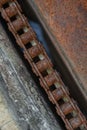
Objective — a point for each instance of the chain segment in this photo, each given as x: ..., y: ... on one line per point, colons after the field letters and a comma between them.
x: 42, y: 66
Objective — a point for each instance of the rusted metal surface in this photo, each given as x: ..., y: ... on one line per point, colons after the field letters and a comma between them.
x: 68, y: 23
x: 43, y: 67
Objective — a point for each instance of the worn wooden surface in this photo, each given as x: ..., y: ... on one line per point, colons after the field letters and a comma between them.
x: 7, y: 121
x: 28, y: 107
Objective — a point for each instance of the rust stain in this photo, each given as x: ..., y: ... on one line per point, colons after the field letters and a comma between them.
x: 43, y: 67
x: 68, y: 22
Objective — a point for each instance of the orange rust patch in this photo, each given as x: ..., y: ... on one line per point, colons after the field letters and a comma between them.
x: 68, y: 22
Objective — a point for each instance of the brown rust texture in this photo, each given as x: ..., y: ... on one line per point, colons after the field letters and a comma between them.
x: 43, y: 67
x: 68, y: 22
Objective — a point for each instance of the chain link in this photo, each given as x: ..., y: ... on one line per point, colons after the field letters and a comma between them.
x: 42, y: 66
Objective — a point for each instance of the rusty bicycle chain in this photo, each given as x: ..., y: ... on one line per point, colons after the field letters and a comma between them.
x: 42, y: 66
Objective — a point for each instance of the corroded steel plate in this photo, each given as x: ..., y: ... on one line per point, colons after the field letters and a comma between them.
x: 68, y: 22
